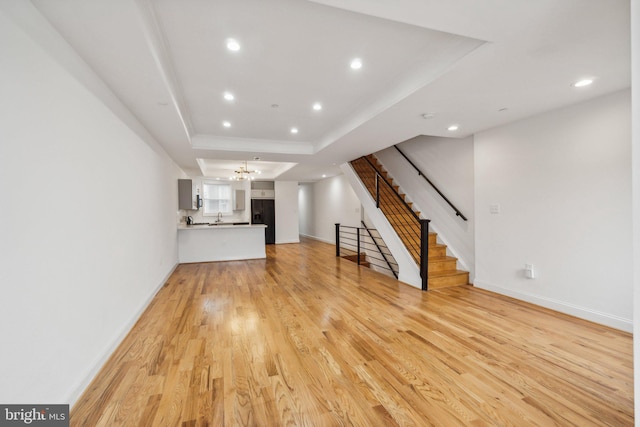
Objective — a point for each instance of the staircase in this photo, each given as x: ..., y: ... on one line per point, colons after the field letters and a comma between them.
x: 442, y: 269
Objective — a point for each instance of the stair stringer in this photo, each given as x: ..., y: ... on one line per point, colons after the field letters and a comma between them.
x: 408, y: 270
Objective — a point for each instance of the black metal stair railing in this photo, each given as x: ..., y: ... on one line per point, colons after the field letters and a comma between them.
x: 420, y: 173
x: 387, y: 257
x: 365, y: 246
x: 412, y: 229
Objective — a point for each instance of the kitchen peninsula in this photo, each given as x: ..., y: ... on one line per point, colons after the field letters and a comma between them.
x: 220, y: 242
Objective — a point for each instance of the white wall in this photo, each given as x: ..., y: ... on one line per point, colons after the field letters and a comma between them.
x: 448, y: 163
x: 286, y: 205
x: 635, y: 161
x: 331, y: 201
x: 562, y: 180
x: 88, y: 226
x: 306, y: 209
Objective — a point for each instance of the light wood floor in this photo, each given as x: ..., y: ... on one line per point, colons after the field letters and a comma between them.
x: 307, y: 339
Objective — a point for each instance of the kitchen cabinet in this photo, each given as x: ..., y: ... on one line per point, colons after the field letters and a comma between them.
x: 203, y: 243
x: 263, y: 190
x: 185, y: 195
x: 263, y: 194
x: 239, y: 204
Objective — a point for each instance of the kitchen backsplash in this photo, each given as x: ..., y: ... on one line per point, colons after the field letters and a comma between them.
x: 240, y: 216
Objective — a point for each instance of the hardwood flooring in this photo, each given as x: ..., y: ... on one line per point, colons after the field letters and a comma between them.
x: 307, y: 339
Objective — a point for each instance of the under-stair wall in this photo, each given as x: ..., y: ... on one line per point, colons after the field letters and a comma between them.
x: 448, y: 162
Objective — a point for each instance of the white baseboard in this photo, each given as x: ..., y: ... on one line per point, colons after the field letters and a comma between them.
x: 562, y: 307
x: 99, y: 363
x: 285, y: 242
x: 331, y: 242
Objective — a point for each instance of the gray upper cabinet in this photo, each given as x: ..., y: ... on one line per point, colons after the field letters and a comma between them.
x: 239, y: 204
x: 263, y: 190
x: 185, y: 194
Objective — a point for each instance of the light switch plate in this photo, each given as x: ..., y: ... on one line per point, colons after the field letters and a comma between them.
x: 529, y: 272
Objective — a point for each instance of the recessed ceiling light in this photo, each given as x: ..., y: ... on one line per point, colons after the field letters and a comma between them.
x: 453, y: 128
x: 233, y: 45
x: 583, y: 83
x: 229, y: 96
x: 317, y: 106
x: 226, y: 124
x: 356, y: 64
x: 324, y: 176
x: 294, y: 130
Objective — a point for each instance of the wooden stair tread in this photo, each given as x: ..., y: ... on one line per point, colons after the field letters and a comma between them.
x: 435, y: 250
x: 442, y: 258
x: 448, y: 279
x: 448, y: 273
x: 354, y: 258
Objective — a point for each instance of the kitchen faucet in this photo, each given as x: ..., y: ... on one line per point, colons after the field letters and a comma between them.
x: 219, y: 217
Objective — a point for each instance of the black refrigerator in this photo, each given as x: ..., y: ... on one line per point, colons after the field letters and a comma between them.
x: 263, y: 211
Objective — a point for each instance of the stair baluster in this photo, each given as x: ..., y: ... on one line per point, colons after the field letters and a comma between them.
x: 359, y: 250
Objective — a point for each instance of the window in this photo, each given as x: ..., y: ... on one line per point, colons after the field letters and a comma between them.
x: 216, y: 198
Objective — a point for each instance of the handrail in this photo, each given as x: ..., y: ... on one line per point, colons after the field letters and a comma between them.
x: 458, y: 213
x: 378, y: 174
x: 379, y: 249
x: 356, y: 245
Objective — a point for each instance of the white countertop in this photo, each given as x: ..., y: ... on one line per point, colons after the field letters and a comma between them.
x: 219, y: 225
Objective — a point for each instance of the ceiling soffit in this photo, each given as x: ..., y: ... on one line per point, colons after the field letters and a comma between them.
x: 167, y: 66
x: 293, y: 54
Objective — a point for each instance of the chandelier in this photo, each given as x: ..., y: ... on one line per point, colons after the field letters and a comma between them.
x: 244, y: 173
